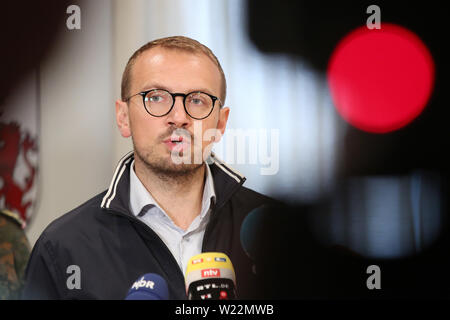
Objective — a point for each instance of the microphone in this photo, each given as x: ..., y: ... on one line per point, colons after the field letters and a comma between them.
x: 149, y: 287
x: 253, y: 230
x: 210, y: 276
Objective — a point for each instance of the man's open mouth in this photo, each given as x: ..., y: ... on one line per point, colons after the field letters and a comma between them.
x: 176, y: 140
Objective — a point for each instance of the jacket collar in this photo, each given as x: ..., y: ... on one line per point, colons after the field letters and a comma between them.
x: 226, y: 182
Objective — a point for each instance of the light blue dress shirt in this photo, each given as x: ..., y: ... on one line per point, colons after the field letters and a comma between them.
x: 183, y: 244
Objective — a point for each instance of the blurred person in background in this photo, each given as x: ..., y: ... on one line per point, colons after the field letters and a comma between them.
x: 14, y: 253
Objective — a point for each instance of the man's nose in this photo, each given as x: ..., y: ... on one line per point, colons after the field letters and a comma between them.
x: 178, y: 116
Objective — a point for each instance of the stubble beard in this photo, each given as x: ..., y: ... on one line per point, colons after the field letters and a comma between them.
x: 163, y: 166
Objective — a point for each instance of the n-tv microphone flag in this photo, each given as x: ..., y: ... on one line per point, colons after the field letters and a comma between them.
x: 210, y: 276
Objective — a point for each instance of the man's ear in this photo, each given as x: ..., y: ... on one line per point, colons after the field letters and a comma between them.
x: 123, y: 118
x: 222, y: 123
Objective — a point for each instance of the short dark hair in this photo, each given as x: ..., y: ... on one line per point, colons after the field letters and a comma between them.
x: 176, y: 43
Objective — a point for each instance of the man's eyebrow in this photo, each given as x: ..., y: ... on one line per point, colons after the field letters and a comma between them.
x: 154, y: 86
x: 160, y: 86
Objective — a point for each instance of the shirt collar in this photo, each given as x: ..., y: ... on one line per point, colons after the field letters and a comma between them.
x: 141, y: 200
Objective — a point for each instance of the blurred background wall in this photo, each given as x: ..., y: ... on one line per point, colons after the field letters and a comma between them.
x: 76, y: 155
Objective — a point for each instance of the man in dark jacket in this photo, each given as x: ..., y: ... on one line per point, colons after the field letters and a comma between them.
x: 169, y: 199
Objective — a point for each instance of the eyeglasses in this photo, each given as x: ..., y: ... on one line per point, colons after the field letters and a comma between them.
x: 159, y: 102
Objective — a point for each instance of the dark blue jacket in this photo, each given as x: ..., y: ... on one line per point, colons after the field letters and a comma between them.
x: 112, y: 248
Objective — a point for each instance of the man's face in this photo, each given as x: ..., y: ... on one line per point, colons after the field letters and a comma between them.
x: 177, y: 72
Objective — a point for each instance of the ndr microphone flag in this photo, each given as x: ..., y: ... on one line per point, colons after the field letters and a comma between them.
x: 210, y: 276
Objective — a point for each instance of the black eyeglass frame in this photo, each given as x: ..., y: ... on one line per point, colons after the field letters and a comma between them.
x: 174, y: 95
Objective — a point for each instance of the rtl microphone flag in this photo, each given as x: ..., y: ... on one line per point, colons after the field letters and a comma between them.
x: 149, y: 287
x: 210, y: 276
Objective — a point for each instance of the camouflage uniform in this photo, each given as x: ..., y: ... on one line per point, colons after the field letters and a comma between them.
x: 14, y: 254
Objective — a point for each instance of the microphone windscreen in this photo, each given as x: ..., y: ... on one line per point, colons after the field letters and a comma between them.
x: 253, y: 228
x: 149, y: 287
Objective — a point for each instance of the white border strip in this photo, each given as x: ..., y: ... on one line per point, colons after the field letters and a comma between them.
x: 117, y: 182
x: 116, y: 177
x: 236, y: 175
